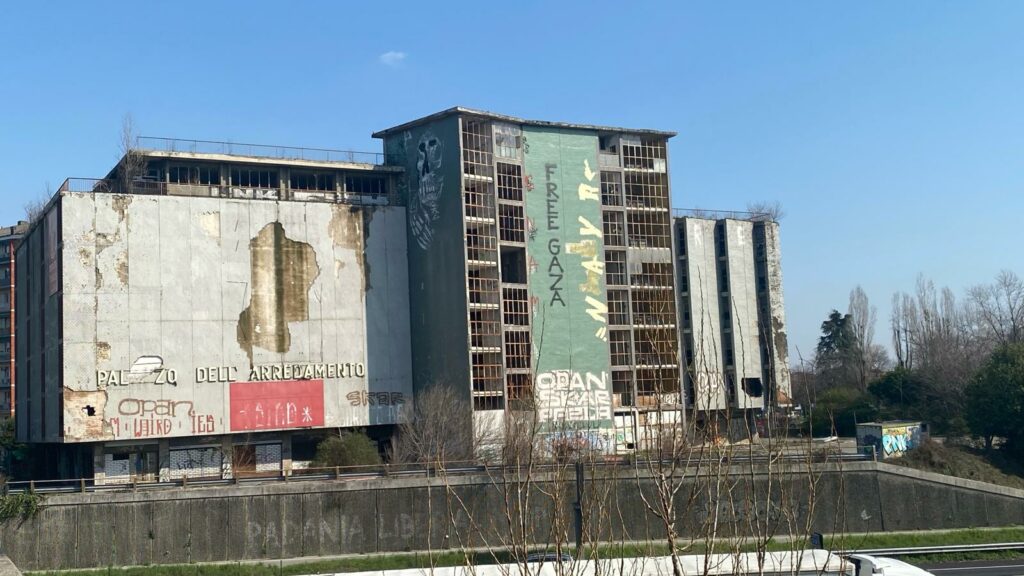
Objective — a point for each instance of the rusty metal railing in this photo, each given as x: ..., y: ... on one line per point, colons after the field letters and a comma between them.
x: 259, y: 150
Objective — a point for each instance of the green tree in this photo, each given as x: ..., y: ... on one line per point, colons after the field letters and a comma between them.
x: 995, y: 398
x: 837, y: 351
x: 839, y: 410
x: 346, y: 449
x: 901, y: 395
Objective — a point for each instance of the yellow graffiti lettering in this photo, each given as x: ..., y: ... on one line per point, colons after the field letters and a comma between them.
x: 588, y: 192
x: 587, y: 228
x: 587, y: 172
x: 586, y: 248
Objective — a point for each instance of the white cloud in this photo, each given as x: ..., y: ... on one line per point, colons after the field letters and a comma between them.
x: 392, y: 58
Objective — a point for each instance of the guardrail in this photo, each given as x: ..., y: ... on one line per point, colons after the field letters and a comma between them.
x: 259, y: 150
x: 951, y: 549
x: 355, y: 473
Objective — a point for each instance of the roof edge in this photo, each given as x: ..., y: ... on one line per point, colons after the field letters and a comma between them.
x: 514, y: 120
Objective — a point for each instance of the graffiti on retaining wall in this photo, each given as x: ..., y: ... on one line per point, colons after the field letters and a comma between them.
x: 890, y: 440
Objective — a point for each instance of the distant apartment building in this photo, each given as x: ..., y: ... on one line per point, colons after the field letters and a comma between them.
x: 10, y: 236
x: 733, y: 332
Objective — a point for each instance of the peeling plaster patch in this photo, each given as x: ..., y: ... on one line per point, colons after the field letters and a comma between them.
x: 122, y: 267
x: 282, y: 273
x: 350, y: 228
x: 85, y: 256
x: 77, y: 422
x: 120, y: 204
x: 102, y: 352
x: 210, y: 223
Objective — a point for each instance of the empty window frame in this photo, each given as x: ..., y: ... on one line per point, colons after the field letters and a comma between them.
x: 254, y: 178
x: 655, y: 346
x: 481, y: 244
x: 204, y: 175
x: 644, y: 153
x: 653, y: 308
x: 615, y: 267
x: 517, y: 306
x: 649, y: 230
x: 618, y: 308
x: 621, y: 347
x: 513, y: 265
x: 482, y: 285
x: 366, y: 185
x: 645, y: 190
x: 485, y: 329
x: 517, y: 349
x: 658, y: 381
x: 512, y: 223
x: 654, y: 274
x: 479, y: 199
x: 315, y: 181
x: 520, y: 386
x: 614, y: 229
x: 508, y: 140
x: 510, y: 182
x: 622, y: 388
x: 476, y: 148
x: 611, y: 189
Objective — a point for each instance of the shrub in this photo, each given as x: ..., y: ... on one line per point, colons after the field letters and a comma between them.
x: 346, y: 449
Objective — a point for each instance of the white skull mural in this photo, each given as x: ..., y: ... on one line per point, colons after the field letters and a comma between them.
x: 425, y: 197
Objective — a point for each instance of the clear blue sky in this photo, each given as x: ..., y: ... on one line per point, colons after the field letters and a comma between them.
x: 892, y: 132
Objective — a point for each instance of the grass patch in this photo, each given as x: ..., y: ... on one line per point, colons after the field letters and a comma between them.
x: 624, y: 550
x: 964, y: 462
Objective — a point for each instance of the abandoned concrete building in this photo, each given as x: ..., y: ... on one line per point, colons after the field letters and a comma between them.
x: 10, y: 236
x: 211, y: 309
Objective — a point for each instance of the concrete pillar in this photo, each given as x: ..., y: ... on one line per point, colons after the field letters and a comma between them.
x: 286, y: 454
x: 227, y: 450
x: 163, y: 457
x: 98, y: 465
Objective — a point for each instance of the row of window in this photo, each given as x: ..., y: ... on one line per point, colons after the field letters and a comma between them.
x: 209, y: 175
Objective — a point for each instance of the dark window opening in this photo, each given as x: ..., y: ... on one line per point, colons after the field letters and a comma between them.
x: 753, y: 387
x: 513, y: 266
x: 311, y: 181
x: 365, y: 185
x: 254, y: 178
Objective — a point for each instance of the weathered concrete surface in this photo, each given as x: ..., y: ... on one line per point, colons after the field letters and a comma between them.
x: 7, y: 568
x: 329, y: 518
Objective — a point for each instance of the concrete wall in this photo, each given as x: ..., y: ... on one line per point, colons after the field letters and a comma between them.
x: 188, y: 316
x: 327, y: 518
x: 739, y: 249
x: 778, y: 340
x: 701, y: 266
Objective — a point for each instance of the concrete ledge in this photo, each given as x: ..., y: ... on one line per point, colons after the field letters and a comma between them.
x: 943, y: 479
x: 7, y: 568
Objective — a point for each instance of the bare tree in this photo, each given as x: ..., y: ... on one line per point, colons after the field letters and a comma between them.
x: 34, y: 207
x: 132, y: 163
x: 438, y: 429
x: 870, y: 359
x: 1000, y: 307
x: 765, y: 211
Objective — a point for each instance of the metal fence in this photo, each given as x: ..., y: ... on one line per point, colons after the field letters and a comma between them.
x: 259, y: 150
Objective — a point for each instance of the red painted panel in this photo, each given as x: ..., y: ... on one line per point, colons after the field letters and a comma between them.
x: 277, y: 405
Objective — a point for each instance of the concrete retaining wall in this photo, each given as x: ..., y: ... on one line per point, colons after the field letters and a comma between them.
x: 329, y: 518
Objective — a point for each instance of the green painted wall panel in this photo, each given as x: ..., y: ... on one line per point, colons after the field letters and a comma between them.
x: 565, y: 248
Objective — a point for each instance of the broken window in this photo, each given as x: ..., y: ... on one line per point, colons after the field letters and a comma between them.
x: 622, y: 388
x: 513, y: 223
x: 618, y: 308
x: 510, y: 182
x: 366, y: 185
x: 252, y: 178
x: 520, y: 386
x: 508, y: 139
x: 513, y: 265
x: 646, y: 190
x: 615, y: 267
x: 614, y: 230
x: 194, y: 175
x: 621, y: 347
x: 517, y: 349
x: 611, y: 189
x: 645, y: 153
x: 320, y: 181
x: 649, y: 230
x: 517, y: 306
x: 476, y: 148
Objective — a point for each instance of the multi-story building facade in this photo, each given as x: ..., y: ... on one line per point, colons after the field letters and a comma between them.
x: 209, y: 314
x: 543, y: 250
x: 733, y: 320
x: 208, y: 309
x: 10, y: 236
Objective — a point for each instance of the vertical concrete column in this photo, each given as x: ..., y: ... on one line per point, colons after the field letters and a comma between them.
x: 163, y: 458
x: 99, y: 468
x: 227, y: 450
x: 286, y: 454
